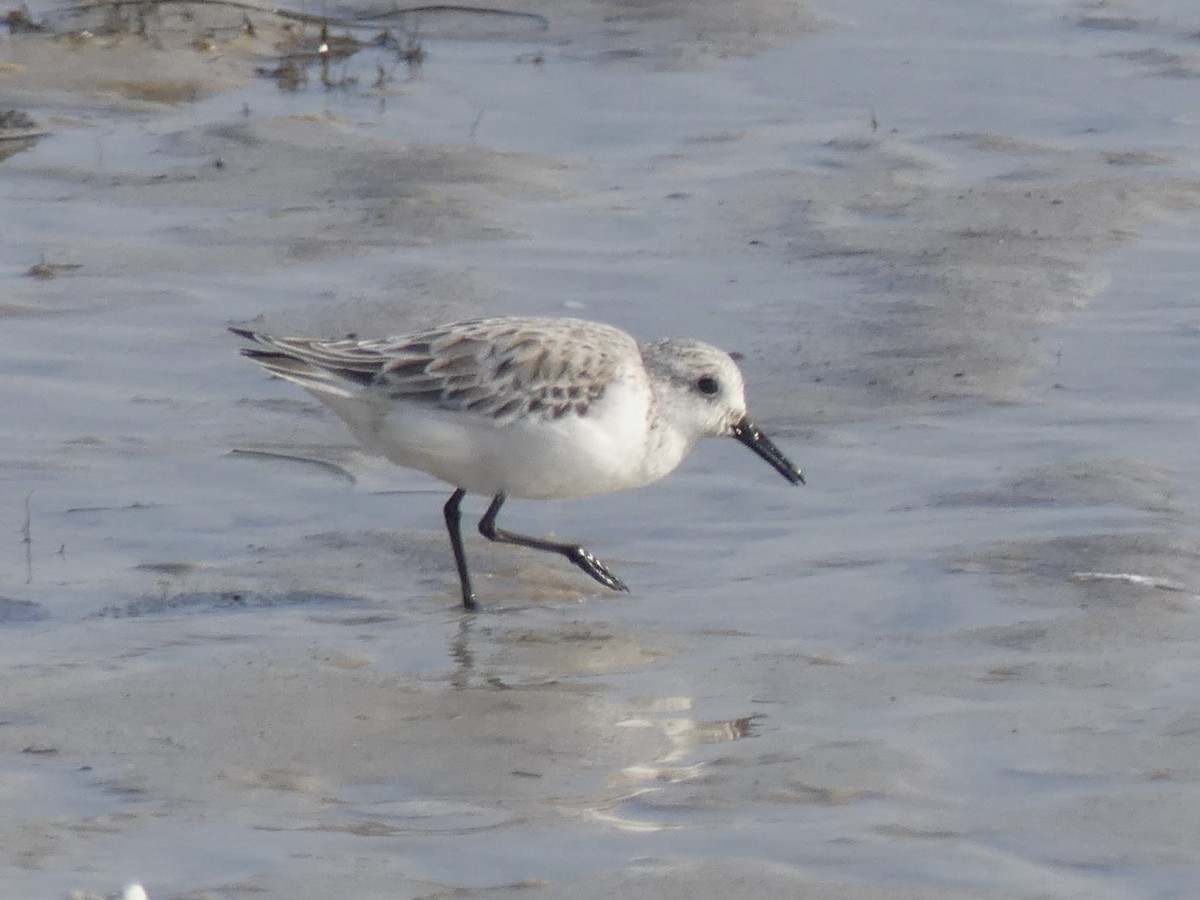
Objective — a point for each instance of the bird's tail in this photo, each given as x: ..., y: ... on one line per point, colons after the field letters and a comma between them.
x: 316, y: 366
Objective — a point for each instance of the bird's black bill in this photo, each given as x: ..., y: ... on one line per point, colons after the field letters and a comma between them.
x: 747, y: 433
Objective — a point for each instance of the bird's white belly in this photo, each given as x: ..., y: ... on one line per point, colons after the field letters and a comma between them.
x: 572, y: 456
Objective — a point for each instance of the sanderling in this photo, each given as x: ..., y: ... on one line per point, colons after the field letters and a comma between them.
x: 534, y: 408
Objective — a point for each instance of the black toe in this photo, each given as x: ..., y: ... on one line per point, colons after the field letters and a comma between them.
x: 597, y: 570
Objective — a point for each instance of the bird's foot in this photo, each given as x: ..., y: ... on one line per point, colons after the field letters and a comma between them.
x: 596, y: 569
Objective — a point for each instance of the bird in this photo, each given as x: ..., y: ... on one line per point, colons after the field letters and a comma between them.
x: 530, y: 408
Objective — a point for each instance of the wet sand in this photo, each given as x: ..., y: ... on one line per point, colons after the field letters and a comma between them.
x: 955, y: 247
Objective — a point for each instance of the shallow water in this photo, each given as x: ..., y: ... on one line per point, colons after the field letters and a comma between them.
x: 959, y: 663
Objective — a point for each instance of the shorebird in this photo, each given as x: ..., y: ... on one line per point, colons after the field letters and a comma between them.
x: 531, y: 408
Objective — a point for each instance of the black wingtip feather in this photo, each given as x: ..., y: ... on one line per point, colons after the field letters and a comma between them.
x: 262, y: 355
x: 363, y: 378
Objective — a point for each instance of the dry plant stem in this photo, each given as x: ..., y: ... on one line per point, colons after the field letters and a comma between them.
x: 360, y: 21
x: 27, y: 540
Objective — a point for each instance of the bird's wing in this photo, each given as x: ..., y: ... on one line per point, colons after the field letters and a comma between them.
x: 501, y: 369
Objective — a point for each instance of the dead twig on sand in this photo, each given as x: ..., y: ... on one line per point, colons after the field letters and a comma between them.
x: 27, y: 539
x: 363, y: 21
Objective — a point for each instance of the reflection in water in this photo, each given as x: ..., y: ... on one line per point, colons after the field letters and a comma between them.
x: 460, y: 652
x: 684, y: 735
x: 502, y: 648
x: 522, y: 656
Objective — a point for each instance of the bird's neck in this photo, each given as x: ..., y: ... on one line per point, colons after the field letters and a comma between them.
x: 667, y: 446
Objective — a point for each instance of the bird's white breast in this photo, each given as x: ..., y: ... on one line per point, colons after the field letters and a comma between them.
x: 610, y: 447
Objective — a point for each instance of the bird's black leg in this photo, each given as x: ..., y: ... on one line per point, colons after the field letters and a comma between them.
x: 453, y: 517
x: 573, y: 552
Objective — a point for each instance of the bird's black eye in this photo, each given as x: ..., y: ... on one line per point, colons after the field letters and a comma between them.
x: 707, y: 385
